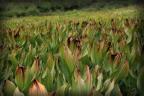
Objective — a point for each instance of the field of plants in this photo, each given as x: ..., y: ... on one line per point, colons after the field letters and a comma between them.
x: 74, y: 53
x: 73, y: 58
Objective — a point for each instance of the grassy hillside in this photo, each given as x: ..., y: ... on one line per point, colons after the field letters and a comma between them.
x: 95, y: 11
x: 26, y: 9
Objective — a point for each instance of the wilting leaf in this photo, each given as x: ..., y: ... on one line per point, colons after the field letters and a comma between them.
x: 100, y: 81
x: 110, y: 88
x: 106, y: 84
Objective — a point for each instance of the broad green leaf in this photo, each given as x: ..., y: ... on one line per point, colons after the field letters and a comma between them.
x: 9, y: 88
x: 68, y: 57
x: 20, y: 77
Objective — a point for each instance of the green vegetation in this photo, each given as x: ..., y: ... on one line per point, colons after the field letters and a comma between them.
x: 94, y: 51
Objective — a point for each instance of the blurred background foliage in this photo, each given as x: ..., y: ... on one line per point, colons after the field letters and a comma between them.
x: 17, y: 8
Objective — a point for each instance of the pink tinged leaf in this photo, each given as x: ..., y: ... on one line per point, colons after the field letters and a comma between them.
x: 37, y: 89
x: 88, y: 75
